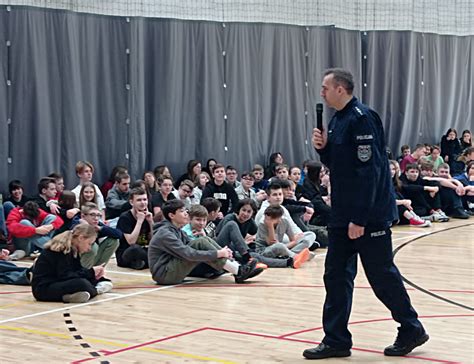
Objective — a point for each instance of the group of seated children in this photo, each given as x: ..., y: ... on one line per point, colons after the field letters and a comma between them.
x: 210, y: 224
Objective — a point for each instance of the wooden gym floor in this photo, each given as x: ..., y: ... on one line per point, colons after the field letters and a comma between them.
x: 272, y: 319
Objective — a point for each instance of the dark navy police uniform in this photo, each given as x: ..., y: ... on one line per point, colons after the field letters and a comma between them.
x: 361, y: 193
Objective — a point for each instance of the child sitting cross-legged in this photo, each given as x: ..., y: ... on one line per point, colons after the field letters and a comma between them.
x: 172, y: 255
x: 270, y: 234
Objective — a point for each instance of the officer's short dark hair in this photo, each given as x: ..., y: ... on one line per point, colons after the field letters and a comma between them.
x: 341, y: 77
x: 170, y: 207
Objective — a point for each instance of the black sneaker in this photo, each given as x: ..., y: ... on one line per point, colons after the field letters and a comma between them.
x: 460, y: 214
x: 247, y: 271
x: 402, y: 347
x: 323, y: 351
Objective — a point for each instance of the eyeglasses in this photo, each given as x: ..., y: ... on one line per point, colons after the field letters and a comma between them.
x: 248, y: 178
x: 97, y: 216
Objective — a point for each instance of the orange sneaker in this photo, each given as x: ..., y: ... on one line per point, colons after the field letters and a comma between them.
x: 300, y: 258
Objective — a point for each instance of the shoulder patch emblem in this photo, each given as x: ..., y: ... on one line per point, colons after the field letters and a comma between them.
x: 364, y: 152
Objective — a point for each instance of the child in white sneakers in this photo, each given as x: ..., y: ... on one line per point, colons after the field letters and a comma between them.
x: 58, y: 275
x: 405, y: 210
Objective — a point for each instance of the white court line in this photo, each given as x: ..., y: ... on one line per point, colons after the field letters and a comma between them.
x: 129, y: 273
x: 115, y: 294
x: 404, y: 232
x: 67, y: 307
x: 414, y: 236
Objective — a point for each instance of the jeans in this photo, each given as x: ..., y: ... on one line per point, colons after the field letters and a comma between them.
x: 36, y: 241
x: 11, y: 274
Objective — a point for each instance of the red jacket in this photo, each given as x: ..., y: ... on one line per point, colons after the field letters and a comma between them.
x: 17, y: 230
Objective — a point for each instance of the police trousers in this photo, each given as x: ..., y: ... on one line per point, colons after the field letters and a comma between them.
x: 375, y: 251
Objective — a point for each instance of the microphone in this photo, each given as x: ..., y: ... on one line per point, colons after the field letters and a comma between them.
x: 319, y: 116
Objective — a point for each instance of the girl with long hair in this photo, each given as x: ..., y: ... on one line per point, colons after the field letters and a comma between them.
x: 58, y: 275
x: 312, y: 192
x: 89, y: 194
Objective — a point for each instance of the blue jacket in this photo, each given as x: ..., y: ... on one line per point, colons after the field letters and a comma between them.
x: 361, y: 186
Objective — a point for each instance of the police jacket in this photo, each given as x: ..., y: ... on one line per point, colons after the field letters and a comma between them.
x: 360, y: 178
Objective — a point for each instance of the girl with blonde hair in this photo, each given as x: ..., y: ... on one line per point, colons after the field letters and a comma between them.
x: 58, y: 275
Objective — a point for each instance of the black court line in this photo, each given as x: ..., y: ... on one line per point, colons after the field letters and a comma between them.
x: 70, y: 326
x: 421, y: 289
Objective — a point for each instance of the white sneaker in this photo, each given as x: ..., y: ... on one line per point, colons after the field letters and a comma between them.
x: 443, y: 216
x: 104, y: 287
x: 17, y: 255
x: 78, y: 297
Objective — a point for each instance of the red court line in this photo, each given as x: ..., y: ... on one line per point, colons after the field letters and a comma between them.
x: 316, y: 342
x: 380, y: 352
x: 107, y: 353
x: 281, y: 337
x: 373, y: 320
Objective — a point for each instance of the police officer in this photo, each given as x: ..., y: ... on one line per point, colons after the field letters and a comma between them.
x: 362, y: 211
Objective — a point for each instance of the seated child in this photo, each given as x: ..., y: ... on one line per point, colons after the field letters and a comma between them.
x: 270, y: 235
x: 172, y: 255
x: 424, y: 195
x: 58, y: 275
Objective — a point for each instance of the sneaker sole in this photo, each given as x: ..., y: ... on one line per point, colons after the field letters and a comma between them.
x: 420, y: 342
x: 78, y: 297
x: 301, y: 258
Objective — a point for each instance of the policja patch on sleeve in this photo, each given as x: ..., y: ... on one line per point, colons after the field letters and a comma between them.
x: 364, y: 152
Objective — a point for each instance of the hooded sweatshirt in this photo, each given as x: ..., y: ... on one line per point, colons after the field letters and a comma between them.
x: 170, y: 242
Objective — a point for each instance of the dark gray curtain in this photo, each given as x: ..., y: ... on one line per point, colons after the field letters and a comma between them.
x: 421, y: 85
x: 36, y: 93
x: 265, y: 93
x: 69, y: 97
x: 177, y: 81
x: 4, y: 143
x: 143, y: 92
x: 448, y: 85
x: 394, y: 85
